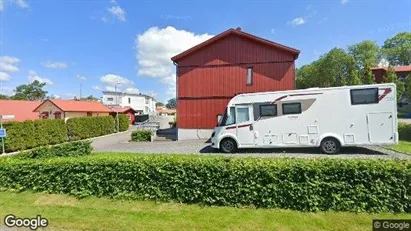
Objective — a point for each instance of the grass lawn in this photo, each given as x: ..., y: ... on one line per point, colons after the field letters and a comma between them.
x: 402, y: 146
x: 68, y: 213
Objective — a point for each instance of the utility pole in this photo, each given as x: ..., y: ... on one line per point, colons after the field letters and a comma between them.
x: 117, y: 119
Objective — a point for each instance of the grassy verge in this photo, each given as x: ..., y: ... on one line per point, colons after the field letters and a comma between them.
x: 402, y: 146
x: 69, y: 213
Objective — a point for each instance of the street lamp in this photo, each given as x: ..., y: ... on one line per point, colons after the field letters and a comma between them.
x: 117, y: 120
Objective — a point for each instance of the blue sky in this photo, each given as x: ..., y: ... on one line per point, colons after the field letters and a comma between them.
x: 96, y: 43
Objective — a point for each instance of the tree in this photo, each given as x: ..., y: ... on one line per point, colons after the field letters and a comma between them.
x: 171, y: 103
x: 90, y: 98
x: 367, y: 75
x: 391, y: 77
x: 398, y: 49
x: 3, y: 96
x: 159, y: 104
x: 365, y: 53
x: 32, y: 91
x: 408, y: 86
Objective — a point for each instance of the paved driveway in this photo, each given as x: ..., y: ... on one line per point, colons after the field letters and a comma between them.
x: 119, y: 143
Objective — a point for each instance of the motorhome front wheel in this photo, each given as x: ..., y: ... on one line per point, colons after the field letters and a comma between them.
x: 228, y: 145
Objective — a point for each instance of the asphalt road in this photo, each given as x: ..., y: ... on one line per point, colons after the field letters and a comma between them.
x: 120, y: 143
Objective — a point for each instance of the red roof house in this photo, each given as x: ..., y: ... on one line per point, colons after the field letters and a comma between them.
x: 21, y: 109
x: 233, y: 62
x: 380, y: 72
x: 64, y: 109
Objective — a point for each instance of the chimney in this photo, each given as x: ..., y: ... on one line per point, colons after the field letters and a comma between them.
x: 238, y: 28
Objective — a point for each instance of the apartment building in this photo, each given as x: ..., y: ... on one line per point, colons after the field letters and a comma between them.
x: 141, y: 103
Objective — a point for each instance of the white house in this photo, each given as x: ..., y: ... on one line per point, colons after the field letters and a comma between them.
x: 141, y: 103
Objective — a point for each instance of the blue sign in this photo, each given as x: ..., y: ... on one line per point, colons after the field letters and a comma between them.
x: 3, y: 132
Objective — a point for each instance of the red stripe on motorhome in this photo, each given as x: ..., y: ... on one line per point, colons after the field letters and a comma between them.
x: 241, y: 126
x: 386, y: 92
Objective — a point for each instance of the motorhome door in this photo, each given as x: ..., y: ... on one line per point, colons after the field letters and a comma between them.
x: 245, y: 133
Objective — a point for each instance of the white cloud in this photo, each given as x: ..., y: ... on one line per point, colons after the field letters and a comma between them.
x: 9, y: 64
x: 344, y: 2
x: 55, y: 65
x: 110, y: 88
x: 6, y: 90
x: 1, y: 5
x: 297, y: 21
x: 55, y: 97
x: 80, y: 77
x: 97, y: 88
x: 118, y: 12
x: 113, y: 80
x: 323, y: 20
x: 156, y: 46
x: 104, y: 19
x: 34, y: 76
x: 21, y: 3
x: 383, y: 63
x: 4, y: 76
x: 132, y: 90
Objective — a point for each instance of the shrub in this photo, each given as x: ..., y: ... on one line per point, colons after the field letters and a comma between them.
x: 88, y: 127
x: 299, y: 184
x: 123, y: 122
x: 31, y: 134
x: 72, y: 149
x: 141, y: 135
x: 404, y: 131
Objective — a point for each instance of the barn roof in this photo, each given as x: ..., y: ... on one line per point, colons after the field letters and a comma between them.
x: 77, y: 106
x: 239, y: 33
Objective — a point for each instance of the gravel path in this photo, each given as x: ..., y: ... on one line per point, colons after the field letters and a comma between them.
x: 119, y: 143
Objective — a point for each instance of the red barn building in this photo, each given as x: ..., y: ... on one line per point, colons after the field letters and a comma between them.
x: 233, y: 62
x: 401, y: 71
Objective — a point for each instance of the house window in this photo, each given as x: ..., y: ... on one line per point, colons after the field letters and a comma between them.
x: 250, y: 76
x: 45, y: 115
x: 110, y: 99
x: 146, y: 100
x: 129, y: 100
x: 57, y: 115
x: 129, y: 117
x: 291, y: 108
x: 268, y: 110
x: 89, y: 114
x: 364, y: 96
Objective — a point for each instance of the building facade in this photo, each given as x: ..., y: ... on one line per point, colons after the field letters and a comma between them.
x: 140, y: 103
x: 401, y: 71
x: 233, y: 62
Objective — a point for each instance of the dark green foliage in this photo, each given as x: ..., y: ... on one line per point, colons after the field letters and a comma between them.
x: 72, y: 149
x: 50, y: 132
x: 299, y: 184
x: 141, y: 135
x: 123, y: 121
x: 404, y: 131
x: 31, y: 134
x: 88, y: 127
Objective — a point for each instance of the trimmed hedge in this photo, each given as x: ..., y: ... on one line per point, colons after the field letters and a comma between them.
x: 141, y: 135
x: 123, y: 122
x: 72, y: 149
x: 31, y: 134
x: 404, y: 131
x: 300, y: 184
x: 88, y: 127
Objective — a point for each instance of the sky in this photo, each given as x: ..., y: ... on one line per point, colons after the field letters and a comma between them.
x: 90, y: 45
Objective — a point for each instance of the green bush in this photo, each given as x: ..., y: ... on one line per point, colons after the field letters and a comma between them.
x: 123, y: 122
x: 88, y: 127
x: 404, y: 131
x: 72, y: 149
x: 31, y: 134
x: 299, y: 184
x: 141, y: 135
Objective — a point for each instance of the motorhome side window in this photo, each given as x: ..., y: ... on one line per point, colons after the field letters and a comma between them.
x: 243, y: 115
x: 364, y: 96
x: 268, y: 110
x: 291, y: 108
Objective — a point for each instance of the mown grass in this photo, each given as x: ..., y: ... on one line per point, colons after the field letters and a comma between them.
x: 69, y: 213
x: 402, y: 146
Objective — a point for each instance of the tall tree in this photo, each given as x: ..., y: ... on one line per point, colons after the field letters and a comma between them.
x: 398, y: 49
x: 408, y: 86
x: 32, y: 91
x: 391, y: 77
x: 159, y: 104
x: 172, y: 103
x: 365, y: 53
x: 366, y: 74
x: 3, y: 96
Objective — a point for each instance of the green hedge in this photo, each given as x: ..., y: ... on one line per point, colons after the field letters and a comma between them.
x: 31, y: 134
x: 88, y: 127
x: 141, y: 135
x: 299, y: 184
x: 404, y: 131
x: 123, y: 122
x: 71, y: 149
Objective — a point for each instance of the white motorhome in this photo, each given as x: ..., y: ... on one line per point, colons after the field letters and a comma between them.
x: 328, y: 118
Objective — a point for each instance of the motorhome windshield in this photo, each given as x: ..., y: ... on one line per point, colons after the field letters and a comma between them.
x: 227, y: 120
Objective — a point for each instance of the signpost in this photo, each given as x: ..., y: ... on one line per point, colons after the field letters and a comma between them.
x: 3, y: 132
